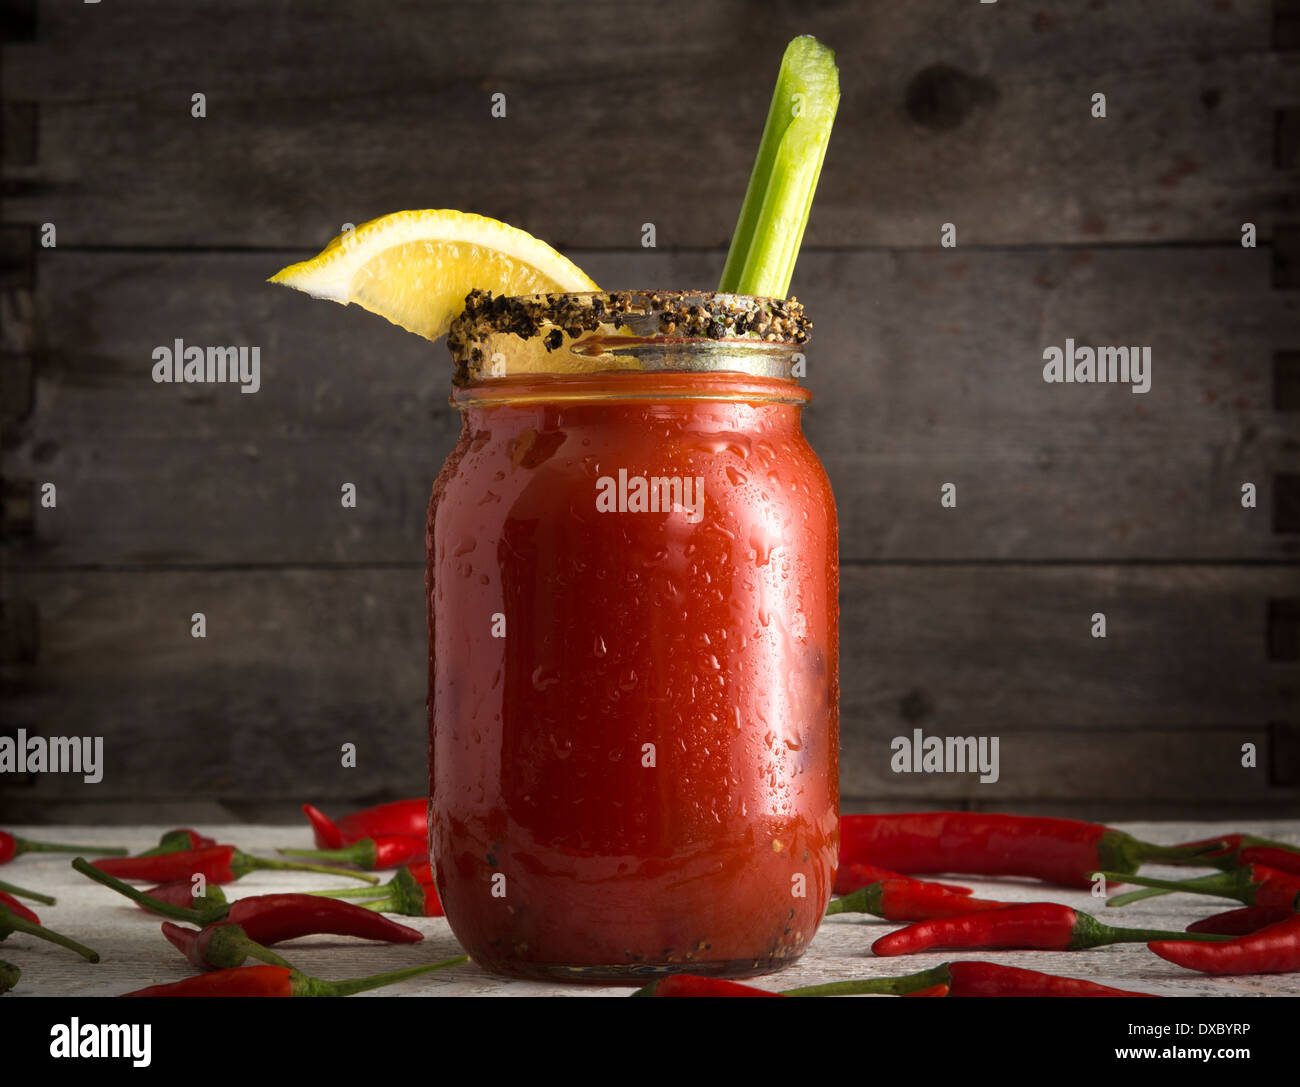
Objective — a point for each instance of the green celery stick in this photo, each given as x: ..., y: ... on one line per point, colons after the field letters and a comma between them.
x: 768, y: 233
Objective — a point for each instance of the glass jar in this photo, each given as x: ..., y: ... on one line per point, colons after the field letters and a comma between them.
x: 633, y: 643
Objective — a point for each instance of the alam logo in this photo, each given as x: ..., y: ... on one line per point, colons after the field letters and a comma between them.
x: 211, y: 365
x: 1105, y: 365
x: 653, y: 494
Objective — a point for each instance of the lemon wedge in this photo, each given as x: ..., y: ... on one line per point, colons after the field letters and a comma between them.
x: 414, y: 268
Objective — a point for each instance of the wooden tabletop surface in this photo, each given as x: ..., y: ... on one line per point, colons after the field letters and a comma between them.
x: 135, y: 955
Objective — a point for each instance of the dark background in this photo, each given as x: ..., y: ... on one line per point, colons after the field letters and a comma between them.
x: 925, y: 366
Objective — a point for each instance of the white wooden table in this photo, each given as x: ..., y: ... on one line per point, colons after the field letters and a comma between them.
x: 134, y: 954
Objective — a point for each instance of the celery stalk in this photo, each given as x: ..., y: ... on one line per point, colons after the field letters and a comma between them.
x: 765, y: 245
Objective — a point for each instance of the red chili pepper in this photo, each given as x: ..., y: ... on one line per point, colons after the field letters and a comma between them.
x: 283, y: 981
x: 1280, y: 860
x: 253, y: 924
x: 1061, y: 851
x: 327, y: 834
x: 1043, y: 926
x: 180, y: 892
x: 216, y: 864
x: 694, y: 985
x: 975, y: 979
x: 176, y: 841
x: 1253, y: 884
x: 218, y: 947
x: 385, y: 851
x: 1272, y: 950
x: 19, y: 910
x: 1240, y: 922
x: 23, y: 892
x: 9, y: 975
x: 853, y: 877
x: 11, y: 847
x: 409, y: 818
x: 12, y: 921
x: 969, y: 978
x: 909, y: 900
x: 959, y: 979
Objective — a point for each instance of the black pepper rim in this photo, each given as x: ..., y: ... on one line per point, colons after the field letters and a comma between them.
x: 679, y: 315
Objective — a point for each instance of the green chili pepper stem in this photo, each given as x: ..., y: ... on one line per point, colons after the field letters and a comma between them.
x: 1122, y: 854
x: 353, y: 892
x: 1233, y: 884
x: 1089, y: 932
x: 407, y: 894
x: 361, y: 853
x: 379, y: 905
x: 229, y: 945
x: 863, y: 900
x: 1135, y: 896
x: 10, y: 923
x: 23, y: 892
x: 242, y: 863
x: 266, y: 955
x: 308, y: 986
x: 891, y: 986
x: 165, y: 909
x: 27, y: 846
x: 9, y: 975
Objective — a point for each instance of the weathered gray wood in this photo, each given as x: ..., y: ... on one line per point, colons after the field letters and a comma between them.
x: 618, y: 115
x: 970, y: 649
x: 925, y: 367
x: 296, y: 663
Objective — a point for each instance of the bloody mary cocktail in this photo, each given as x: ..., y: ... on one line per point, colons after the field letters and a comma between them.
x: 633, y: 705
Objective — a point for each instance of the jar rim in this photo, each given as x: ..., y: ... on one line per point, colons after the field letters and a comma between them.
x: 594, y: 326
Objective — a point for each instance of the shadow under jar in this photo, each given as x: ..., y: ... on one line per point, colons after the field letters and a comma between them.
x: 633, y: 640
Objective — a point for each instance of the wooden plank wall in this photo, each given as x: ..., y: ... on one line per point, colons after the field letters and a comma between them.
x: 925, y: 367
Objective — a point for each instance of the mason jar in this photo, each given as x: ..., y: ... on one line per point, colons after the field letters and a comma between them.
x: 633, y: 640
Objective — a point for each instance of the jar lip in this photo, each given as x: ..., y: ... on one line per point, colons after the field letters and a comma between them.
x: 629, y: 385
x: 546, y: 322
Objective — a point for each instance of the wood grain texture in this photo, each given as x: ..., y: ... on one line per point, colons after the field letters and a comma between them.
x: 296, y: 663
x: 973, y: 114
x: 925, y: 366
x: 925, y: 369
